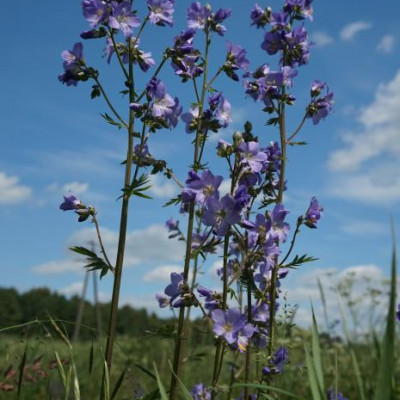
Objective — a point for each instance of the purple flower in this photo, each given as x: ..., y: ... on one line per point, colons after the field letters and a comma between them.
x: 200, y: 392
x: 398, y: 313
x: 74, y: 65
x: 258, y: 16
x: 302, y: 7
x: 190, y: 119
x: 279, y: 229
x: 197, y: 16
x: 320, y: 108
x: 221, y: 214
x: 235, y: 59
x: 163, y: 300
x: 71, y: 202
x: 162, y: 104
x: 144, y: 60
x: 227, y: 324
x: 333, y: 395
x: 223, y: 113
x: 261, y: 313
x: 272, y: 42
x: 95, y: 12
x: 277, y: 363
x: 244, y: 335
x: 317, y: 87
x: 252, y: 157
x: 175, y: 289
x: 123, y: 18
x: 279, y: 20
x: 313, y: 213
x: 213, y: 300
x: 161, y: 12
x: 201, y: 188
x: 172, y: 224
x: 258, y: 230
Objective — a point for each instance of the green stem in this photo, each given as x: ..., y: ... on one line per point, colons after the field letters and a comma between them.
x: 114, y: 111
x: 181, y: 337
x: 165, y: 58
x: 112, y: 325
x: 103, y: 250
x: 292, y: 136
x: 125, y: 72
x: 281, y: 187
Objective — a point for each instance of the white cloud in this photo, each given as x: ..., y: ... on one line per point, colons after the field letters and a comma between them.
x: 143, y: 247
x: 163, y: 187
x: 367, y: 165
x: 386, y: 44
x: 59, y: 267
x: 321, y: 39
x: 162, y: 273
x: 72, y: 289
x: 356, y: 280
x: 77, y: 188
x: 11, y: 192
x: 349, y: 31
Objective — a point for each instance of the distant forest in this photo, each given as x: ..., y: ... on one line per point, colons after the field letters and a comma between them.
x: 40, y: 303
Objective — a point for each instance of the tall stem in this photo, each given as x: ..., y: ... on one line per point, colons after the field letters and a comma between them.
x: 112, y: 325
x: 281, y: 187
x: 181, y: 335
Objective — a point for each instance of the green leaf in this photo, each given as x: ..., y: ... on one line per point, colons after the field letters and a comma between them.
x: 312, y: 377
x: 384, y: 387
x: 175, y: 200
x: 111, y: 121
x: 146, y: 371
x: 95, y: 92
x: 21, y: 368
x: 94, y: 261
x: 299, y: 260
x: 316, y: 352
x: 259, y: 386
x: 118, y: 384
x: 138, y: 187
x: 91, y: 353
x: 185, y: 391
x: 161, y: 387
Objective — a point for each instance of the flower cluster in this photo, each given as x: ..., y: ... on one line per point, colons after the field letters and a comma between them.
x: 161, y: 110
x: 202, y: 17
x: 217, y: 116
x: 277, y: 362
x: 74, y: 66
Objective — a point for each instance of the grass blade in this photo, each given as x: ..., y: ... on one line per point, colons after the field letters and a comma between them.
x: 312, y: 377
x: 107, y: 382
x: 118, y: 384
x: 316, y: 354
x: 354, y: 361
x: 161, y: 387
x: 21, y: 368
x: 384, y: 389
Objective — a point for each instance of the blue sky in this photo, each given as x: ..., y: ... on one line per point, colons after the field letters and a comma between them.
x: 53, y: 140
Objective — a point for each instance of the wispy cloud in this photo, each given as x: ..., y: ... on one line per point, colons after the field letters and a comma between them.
x: 162, y: 273
x: 349, y: 32
x: 162, y: 187
x: 386, y: 44
x: 147, y: 247
x: 78, y: 188
x: 321, y: 38
x: 357, y: 280
x: 11, y: 191
x: 366, y: 167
